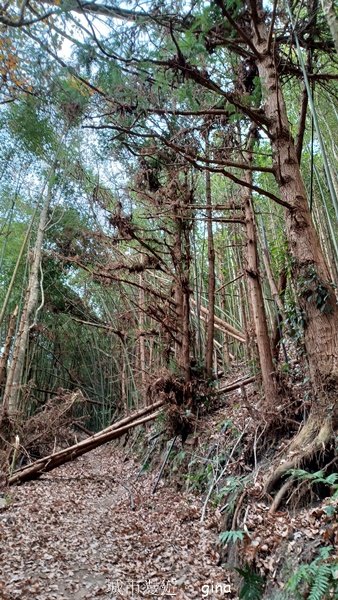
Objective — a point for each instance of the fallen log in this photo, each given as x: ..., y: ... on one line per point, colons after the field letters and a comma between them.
x: 221, y: 328
x: 221, y: 324
x: 234, y: 386
x: 50, y: 462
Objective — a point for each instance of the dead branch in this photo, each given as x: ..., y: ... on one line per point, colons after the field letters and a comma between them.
x: 170, y: 447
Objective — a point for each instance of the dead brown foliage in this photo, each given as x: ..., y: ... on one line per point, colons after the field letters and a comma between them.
x: 51, y: 426
x: 181, y: 401
x: 41, y: 433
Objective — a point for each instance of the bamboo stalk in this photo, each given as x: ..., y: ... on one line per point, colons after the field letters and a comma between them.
x: 7, y: 347
x: 229, y: 329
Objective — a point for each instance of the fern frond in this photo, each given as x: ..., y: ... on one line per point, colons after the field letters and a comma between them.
x: 318, y: 576
x: 300, y: 575
x: 231, y: 536
x: 253, y: 584
x: 321, y: 583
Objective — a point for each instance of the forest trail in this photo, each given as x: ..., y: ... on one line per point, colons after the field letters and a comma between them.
x: 92, y: 529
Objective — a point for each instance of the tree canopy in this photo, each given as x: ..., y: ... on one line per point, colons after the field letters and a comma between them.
x: 168, y: 176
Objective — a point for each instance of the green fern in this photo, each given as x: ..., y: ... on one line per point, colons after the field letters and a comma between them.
x: 330, y: 481
x: 253, y: 584
x: 317, y: 477
x: 298, y: 577
x: 322, y: 583
x: 226, y: 537
x: 318, y: 577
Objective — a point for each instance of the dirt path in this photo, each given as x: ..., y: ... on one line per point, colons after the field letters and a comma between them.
x: 91, y: 530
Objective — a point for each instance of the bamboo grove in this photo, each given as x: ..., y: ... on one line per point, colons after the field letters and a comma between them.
x: 169, y: 206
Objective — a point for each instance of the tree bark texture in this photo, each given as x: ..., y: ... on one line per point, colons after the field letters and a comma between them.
x: 256, y: 297
x: 211, y: 272
x: 14, y: 378
x: 182, y: 260
x: 316, y: 295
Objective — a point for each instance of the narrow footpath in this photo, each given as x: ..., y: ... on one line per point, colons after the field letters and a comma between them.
x: 93, y: 529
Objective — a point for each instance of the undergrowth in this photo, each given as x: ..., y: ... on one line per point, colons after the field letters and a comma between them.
x: 317, y: 580
x: 221, y: 467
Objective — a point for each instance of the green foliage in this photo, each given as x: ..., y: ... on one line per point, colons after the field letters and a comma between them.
x: 14, y: 226
x: 179, y: 457
x: 330, y: 510
x: 31, y: 127
x: 146, y: 466
x: 318, y: 477
x: 231, y: 537
x: 231, y: 490
x: 226, y: 425
x: 317, y: 579
x: 72, y: 97
x: 110, y: 77
x: 199, y: 478
x: 253, y: 584
x: 192, y: 45
x: 294, y: 322
x: 314, y: 290
x: 85, y: 56
x: 72, y: 235
x: 257, y: 92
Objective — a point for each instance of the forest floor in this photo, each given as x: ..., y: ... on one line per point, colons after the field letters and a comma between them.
x: 91, y: 529
x: 94, y: 528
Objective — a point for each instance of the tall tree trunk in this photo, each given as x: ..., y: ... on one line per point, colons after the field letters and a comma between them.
x: 123, y: 381
x: 182, y: 261
x: 256, y: 295
x: 141, y: 341
x: 316, y: 295
x: 331, y: 17
x: 7, y: 347
x: 15, y: 372
x: 185, y: 294
x: 211, y: 272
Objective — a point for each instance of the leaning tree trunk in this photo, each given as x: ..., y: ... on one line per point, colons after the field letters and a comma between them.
x: 116, y: 430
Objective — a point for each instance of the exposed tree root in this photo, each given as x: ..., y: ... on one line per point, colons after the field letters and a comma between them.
x: 311, y: 442
x: 280, y: 495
